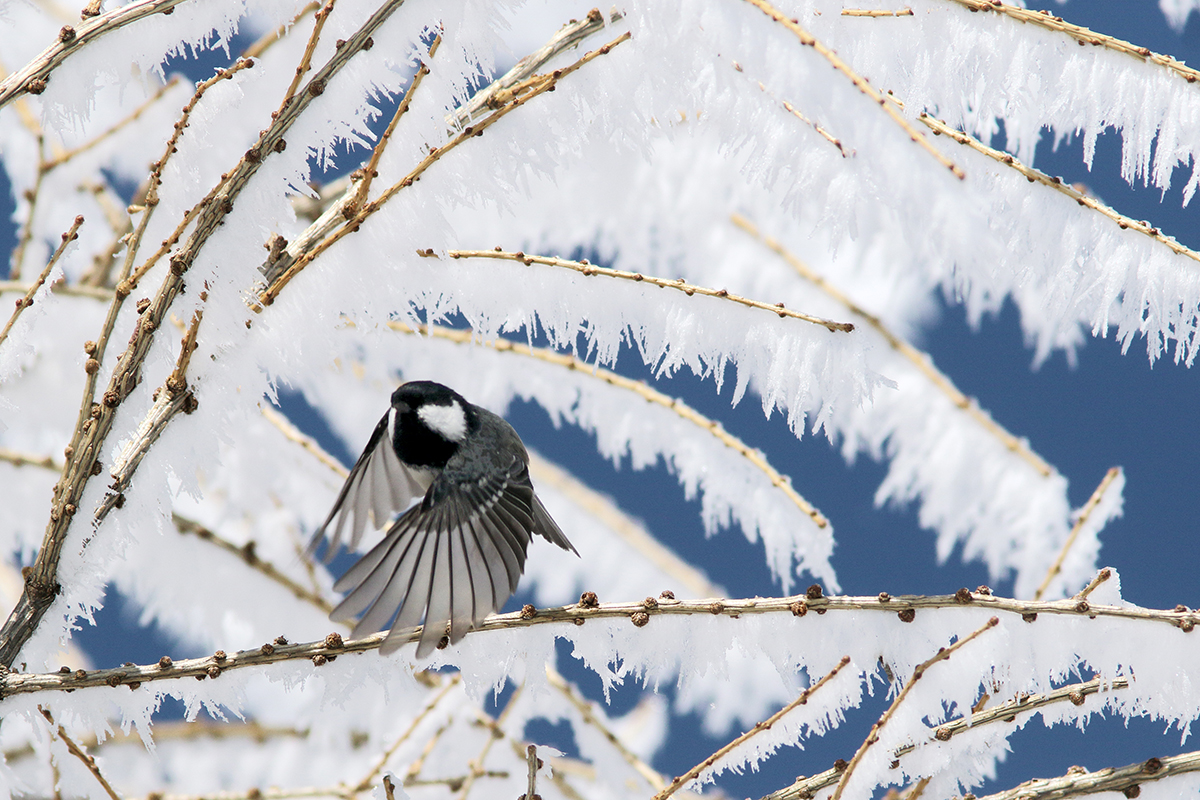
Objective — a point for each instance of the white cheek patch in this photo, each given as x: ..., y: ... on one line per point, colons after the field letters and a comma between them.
x: 450, y: 421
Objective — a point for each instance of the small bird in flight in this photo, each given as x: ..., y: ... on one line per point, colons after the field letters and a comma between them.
x: 455, y: 556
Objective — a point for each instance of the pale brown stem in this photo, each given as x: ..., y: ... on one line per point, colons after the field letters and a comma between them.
x: 1080, y: 521
x: 27, y: 301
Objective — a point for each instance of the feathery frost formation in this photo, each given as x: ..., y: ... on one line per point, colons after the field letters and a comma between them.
x: 704, y: 141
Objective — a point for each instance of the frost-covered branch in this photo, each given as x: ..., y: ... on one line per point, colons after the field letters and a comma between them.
x: 584, y: 268
x: 1127, y: 779
x: 872, y: 736
x: 639, y: 615
x: 918, y: 359
x: 41, y: 585
x: 737, y: 741
x: 76, y: 751
x: 1084, y: 36
x: 1057, y: 184
x: 1075, y: 693
x: 1081, y: 520
x: 861, y: 83
x: 33, y: 77
x: 277, y: 279
x: 26, y: 301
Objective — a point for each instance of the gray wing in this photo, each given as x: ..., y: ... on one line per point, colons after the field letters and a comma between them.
x: 453, y: 559
x: 379, y: 485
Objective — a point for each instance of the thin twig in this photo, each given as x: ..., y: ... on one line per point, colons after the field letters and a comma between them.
x: 873, y: 735
x: 640, y: 388
x: 797, y: 605
x: 766, y: 724
x: 1100, y: 578
x: 68, y: 289
x: 584, y: 268
x: 1080, y: 521
x: 31, y: 195
x: 269, y: 38
x: 20, y: 459
x: 918, y: 359
x: 125, y: 121
x: 306, y: 60
x: 87, y: 760
x: 547, y: 83
x: 25, y: 302
x: 496, y: 726
x: 249, y: 556
x: 875, y: 12
x: 293, y: 434
x: 588, y: 713
x: 372, y: 167
x: 369, y: 779
x: 808, y: 40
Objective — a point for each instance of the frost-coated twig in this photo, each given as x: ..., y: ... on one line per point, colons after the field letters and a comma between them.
x: 75, y: 750
x: 33, y: 76
x: 584, y: 268
x: 309, y: 444
x: 875, y: 12
x: 372, y: 168
x: 761, y: 726
x: 369, y: 779
x: 1125, y: 779
x: 918, y: 359
x: 279, y: 279
x: 31, y: 195
x: 1055, y: 183
x: 643, y: 611
x: 27, y: 301
x: 128, y: 119
x: 1081, y: 598
x: 640, y: 388
x: 791, y: 109
x: 860, y: 83
x: 873, y: 735
x: 248, y: 555
x: 496, y: 726
x: 500, y: 91
x: 588, y: 713
x: 1080, y: 521
x: 1082, y: 35
x: 41, y: 585
x: 68, y: 289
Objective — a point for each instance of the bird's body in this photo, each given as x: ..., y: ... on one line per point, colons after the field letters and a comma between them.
x: 458, y: 554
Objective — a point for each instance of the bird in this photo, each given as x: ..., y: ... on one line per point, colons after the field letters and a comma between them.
x: 457, y: 554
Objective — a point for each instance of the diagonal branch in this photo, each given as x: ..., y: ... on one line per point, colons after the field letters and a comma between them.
x: 764, y: 725
x: 27, y: 301
x: 76, y: 751
x: 918, y: 673
x: 860, y: 83
x: 918, y: 359
x: 1080, y: 521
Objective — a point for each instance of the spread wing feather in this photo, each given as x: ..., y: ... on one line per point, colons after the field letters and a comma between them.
x: 378, y: 486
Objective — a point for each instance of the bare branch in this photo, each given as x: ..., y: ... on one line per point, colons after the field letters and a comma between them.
x: 875, y: 12
x: 306, y: 60
x: 873, y: 735
x: 766, y: 724
x: 31, y: 195
x: 860, y: 83
x: 1080, y: 521
x: 369, y: 779
x: 584, y: 268
x: 534, y: 761
x: 797, y: 605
